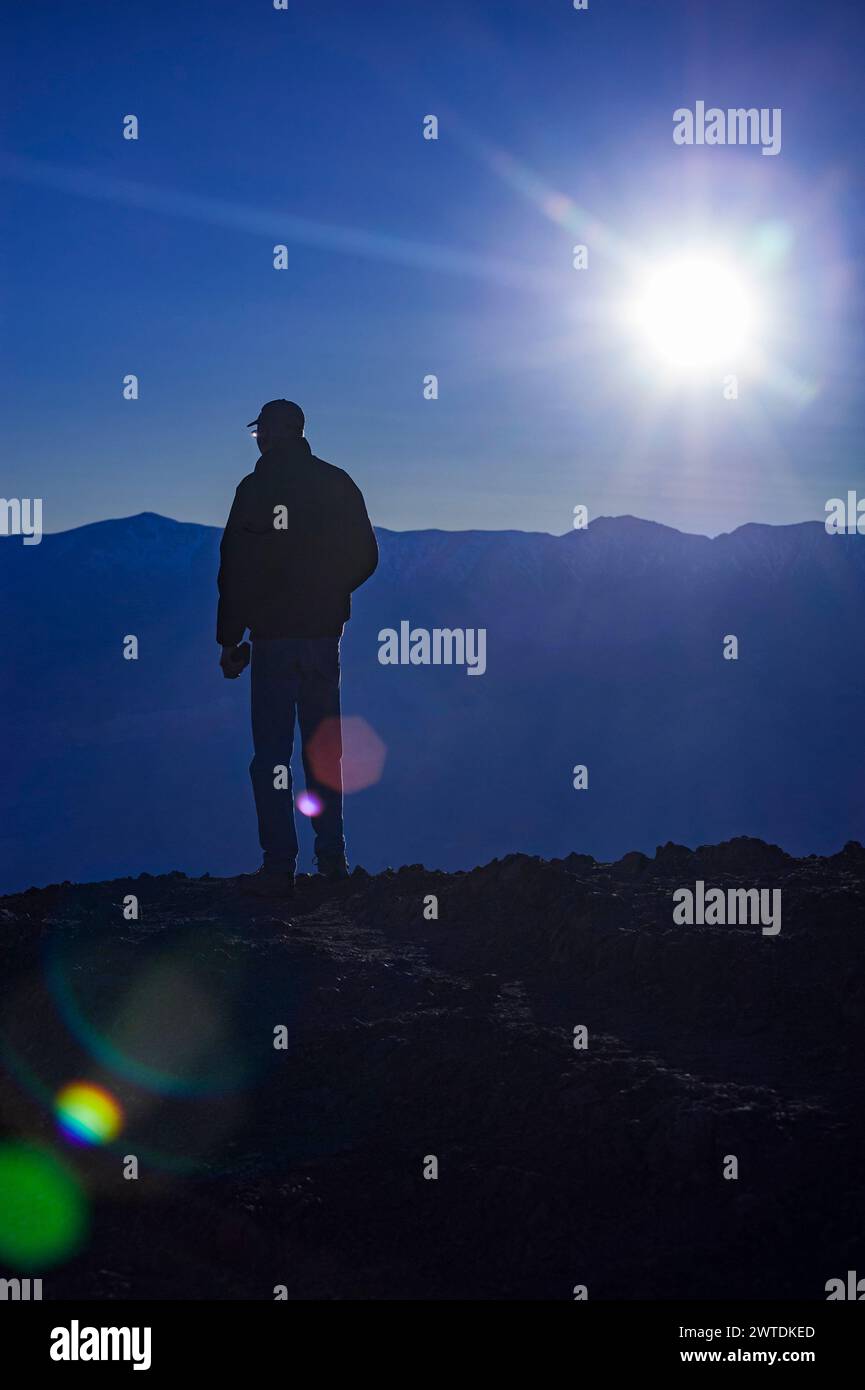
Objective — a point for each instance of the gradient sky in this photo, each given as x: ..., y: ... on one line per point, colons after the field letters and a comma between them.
x: 409, y: 256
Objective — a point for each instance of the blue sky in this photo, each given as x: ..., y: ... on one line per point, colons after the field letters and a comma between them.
x: 410, y: 257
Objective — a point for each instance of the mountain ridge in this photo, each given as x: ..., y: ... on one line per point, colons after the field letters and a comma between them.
x: 469, y: 531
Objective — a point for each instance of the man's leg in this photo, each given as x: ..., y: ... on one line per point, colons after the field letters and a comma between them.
x: 321, y: 741
x: 274, y: 693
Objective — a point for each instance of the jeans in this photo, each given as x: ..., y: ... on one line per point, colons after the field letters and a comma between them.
x: 296, y: 674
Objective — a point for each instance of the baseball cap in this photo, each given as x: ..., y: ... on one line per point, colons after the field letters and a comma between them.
x: 280, y: 413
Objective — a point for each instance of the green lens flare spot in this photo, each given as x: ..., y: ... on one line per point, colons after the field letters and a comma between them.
x: 42, y: 1210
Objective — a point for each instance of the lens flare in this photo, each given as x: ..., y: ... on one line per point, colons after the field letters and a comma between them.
x: 309, y: 804
x: 42, y: 1211
x: 87, y: 1114
x: 346, y: 754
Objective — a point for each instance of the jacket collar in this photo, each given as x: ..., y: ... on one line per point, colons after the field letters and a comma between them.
x: 288, y: 452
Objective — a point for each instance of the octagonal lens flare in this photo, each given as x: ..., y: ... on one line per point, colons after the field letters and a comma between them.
x: 87, y: 1114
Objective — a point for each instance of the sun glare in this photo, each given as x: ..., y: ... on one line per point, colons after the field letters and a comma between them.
x: 695, y: 311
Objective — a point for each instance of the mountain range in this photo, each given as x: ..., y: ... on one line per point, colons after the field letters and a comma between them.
x: 604, y: 649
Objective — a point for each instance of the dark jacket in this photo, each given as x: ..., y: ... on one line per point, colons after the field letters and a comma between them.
x: 291, y: 574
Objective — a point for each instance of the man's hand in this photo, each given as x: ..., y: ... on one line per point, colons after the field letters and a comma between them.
x: 234, y: 660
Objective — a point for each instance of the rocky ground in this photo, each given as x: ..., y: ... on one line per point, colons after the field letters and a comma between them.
x: 407, y: 1038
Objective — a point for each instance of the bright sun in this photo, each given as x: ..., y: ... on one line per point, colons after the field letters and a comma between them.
x: 695, y: 311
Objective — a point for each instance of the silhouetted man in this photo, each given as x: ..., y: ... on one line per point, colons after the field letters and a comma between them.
x: 298, y: 541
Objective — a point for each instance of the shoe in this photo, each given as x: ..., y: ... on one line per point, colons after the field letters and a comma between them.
x: 269, y: 883
x: 332, y: 869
